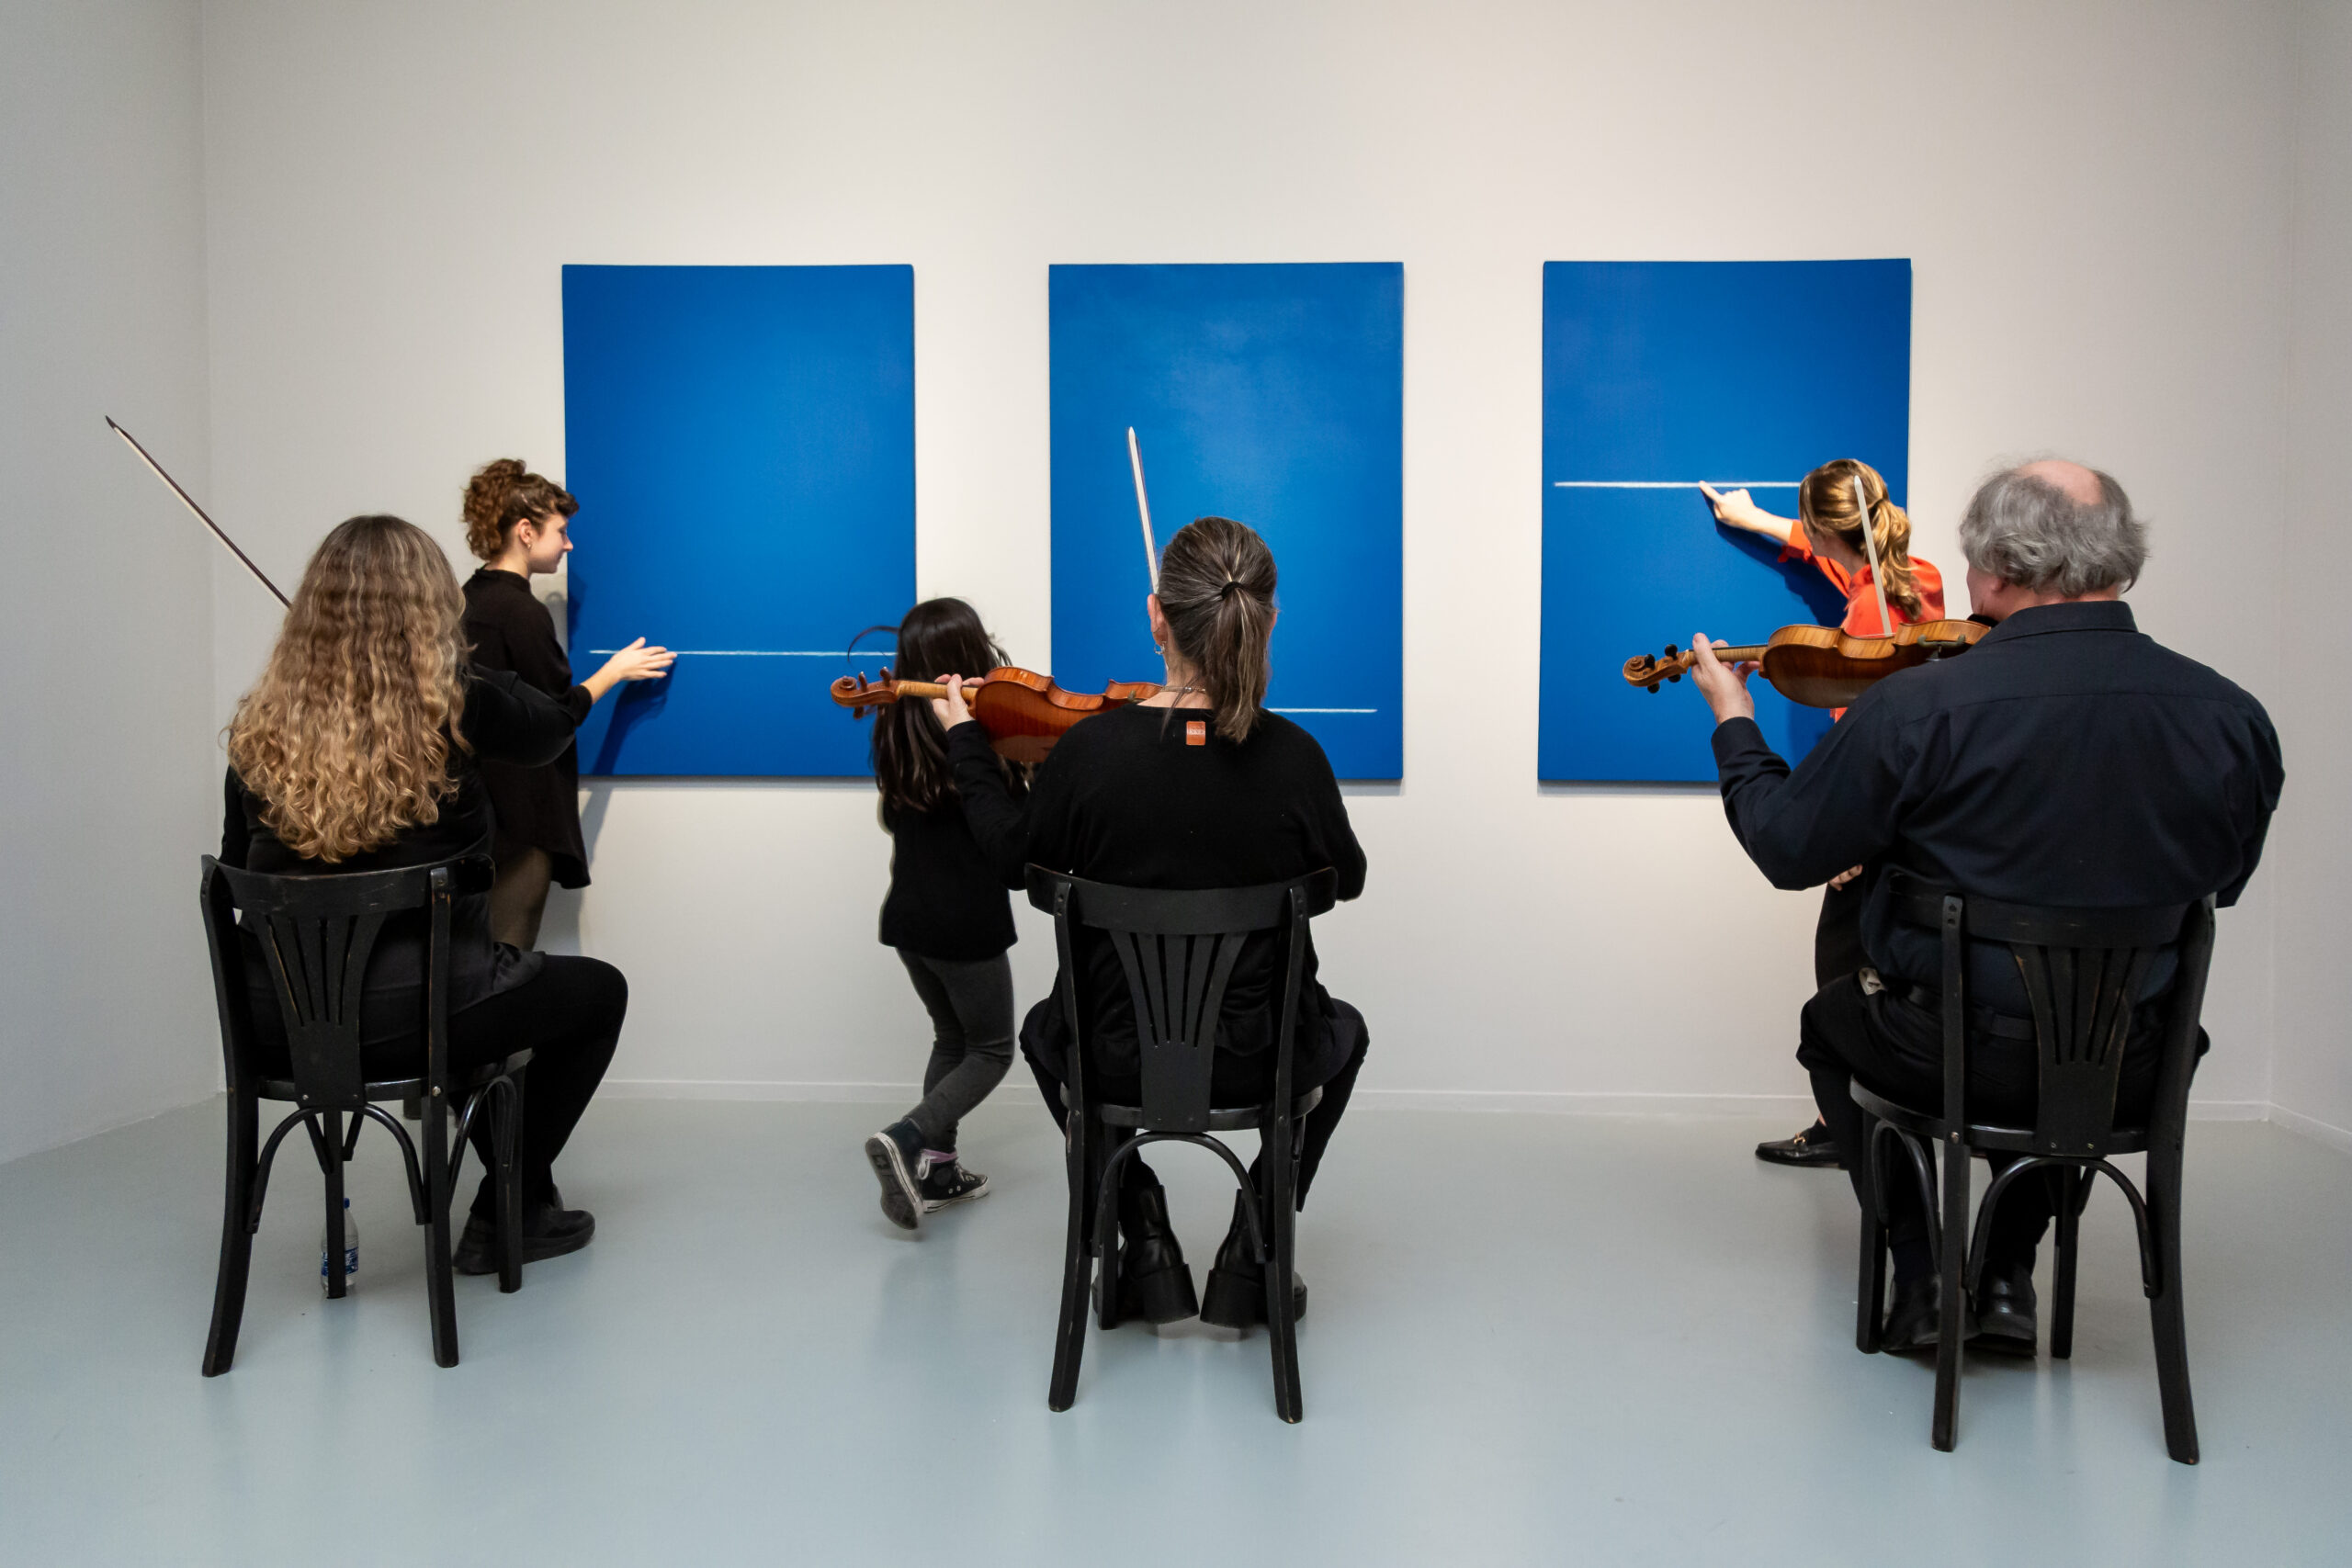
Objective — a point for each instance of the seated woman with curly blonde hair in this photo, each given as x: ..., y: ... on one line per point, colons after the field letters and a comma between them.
x: 359, y: 750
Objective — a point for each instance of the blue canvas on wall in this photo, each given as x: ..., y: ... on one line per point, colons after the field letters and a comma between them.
x: 742, y: 443
x: 1273, y: 394
x: 1657, y: 375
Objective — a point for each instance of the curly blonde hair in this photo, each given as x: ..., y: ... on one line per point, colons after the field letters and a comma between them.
x: 503, y: 493
x: 1825, y: 503
x: 347, y: 735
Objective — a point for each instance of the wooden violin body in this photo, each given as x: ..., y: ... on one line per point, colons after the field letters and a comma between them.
x: 1024, y: 712
x: 1821, y: 667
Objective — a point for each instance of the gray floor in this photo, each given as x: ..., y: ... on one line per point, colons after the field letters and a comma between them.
x: 1533, y: 1340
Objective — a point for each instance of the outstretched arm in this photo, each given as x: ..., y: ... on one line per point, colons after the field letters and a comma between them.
x: 1738, y: 509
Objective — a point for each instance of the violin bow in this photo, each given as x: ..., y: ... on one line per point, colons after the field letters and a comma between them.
x: 1870, y: 543
x: 189, y: 501
x: 1143, y: 509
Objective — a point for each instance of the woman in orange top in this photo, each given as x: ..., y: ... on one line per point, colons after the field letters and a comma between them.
x: 1827, y: 531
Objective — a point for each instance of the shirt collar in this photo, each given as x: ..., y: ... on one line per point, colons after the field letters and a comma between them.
x: 500, y: 574
x: 2097, y: 615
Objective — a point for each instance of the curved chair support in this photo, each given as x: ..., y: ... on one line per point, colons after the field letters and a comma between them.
x: 1107, y: 1205
x: 2151, y: 1277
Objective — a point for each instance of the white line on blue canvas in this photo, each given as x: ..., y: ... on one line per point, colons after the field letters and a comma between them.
x: 763, y: 652
x: 1322, y: 710
x: 1675, y: 484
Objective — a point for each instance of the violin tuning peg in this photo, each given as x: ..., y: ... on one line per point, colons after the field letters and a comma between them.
x: 1676, y: 677
x: 1672, y: 651
x: 1653, y: 687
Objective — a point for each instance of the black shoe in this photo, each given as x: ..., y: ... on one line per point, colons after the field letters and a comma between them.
x: 1154, y: 1283
x: 548, y: 1231
x: 1236, y: 1291
x: 1813, y: 1146
x: 2005, y: 1316
x: 1912, y: 1324
x: 944, y: 1186
x: 896, y: 1155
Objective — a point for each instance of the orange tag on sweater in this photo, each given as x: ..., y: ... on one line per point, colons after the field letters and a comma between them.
x: 1196, y: 732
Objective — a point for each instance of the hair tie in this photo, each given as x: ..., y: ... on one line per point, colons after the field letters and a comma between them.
x: 1230, y: 585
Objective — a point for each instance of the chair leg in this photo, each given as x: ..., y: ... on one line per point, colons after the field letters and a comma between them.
x: 331, y: 1158
x: 2166, y: 1312
x: 1280, y: 1214
x: 440, y: 1286
x: 1870, y: 1286
x: 2073, y: 1189
x: 506, y: 1134
x: 1952, y: 1328
x: 236, y: 1235
x: 1070, y: 1328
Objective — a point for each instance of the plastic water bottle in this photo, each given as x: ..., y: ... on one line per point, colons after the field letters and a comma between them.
x: 350, y: 1248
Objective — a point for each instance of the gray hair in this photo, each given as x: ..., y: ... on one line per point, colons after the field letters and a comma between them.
x: 2025, y: 530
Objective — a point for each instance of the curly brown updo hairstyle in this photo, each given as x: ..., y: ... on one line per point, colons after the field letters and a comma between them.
x: 1217, y: 588
x: 504, y: 493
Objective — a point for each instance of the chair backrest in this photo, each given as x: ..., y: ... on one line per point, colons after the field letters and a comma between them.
x: 316, y: 935
x: 2082, y: 971
x: 1178, y: 949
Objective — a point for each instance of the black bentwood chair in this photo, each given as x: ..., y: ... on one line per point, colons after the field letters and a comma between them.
x: 1178, y: 949
x: 316, y: 933
x: 2080, y: 969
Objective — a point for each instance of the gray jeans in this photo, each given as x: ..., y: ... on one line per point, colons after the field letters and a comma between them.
x: 971, y: 1046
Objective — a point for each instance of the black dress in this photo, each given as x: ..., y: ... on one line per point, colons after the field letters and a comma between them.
x: 539, y: 808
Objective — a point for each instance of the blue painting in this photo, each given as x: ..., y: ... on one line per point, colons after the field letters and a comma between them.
x: 1659, y: 375
x: 1273, y: 394
x: 741, y: 440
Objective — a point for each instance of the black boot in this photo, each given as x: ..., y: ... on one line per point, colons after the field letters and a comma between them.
x: 1154, y: 1283
x: 1236, y: 1297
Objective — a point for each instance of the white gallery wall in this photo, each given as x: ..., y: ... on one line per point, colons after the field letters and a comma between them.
x: 107, y: 783
x: 2312, y: 847
x: 2095, y: 198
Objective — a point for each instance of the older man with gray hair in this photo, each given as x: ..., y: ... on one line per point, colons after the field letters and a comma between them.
x: 2066, y: 759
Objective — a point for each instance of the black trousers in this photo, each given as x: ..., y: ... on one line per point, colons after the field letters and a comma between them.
x: 971, y: 1039
x: 1896, y: 1049
x: 1347, y: 1036
x: 567, y: 1015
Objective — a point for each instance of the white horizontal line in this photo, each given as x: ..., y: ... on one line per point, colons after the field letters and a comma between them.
x: 763, y: 652
x: 1322, y: 710
x: 1675, y: 484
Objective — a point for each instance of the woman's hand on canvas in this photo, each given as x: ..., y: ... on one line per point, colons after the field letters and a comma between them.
x: 635, y: 662
x: 1724, y: 685
x: 1738, y: 509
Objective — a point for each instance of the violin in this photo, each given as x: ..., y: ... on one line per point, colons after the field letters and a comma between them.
x: 1821, y: 667
x: 1024, y: 712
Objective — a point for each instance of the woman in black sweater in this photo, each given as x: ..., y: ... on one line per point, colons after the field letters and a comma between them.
x: 358, y: 749
x: 947, y: 916
x: 519, y: 522
x: 1198, y: 787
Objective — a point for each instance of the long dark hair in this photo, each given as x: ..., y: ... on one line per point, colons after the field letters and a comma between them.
x: 939, y: 637
x: 1217, y: 588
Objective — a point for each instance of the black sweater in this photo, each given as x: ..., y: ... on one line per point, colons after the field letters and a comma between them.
x: 504, y: 720
x: 1125, y: 799
x: 946, y: 899
x: 539, y: 808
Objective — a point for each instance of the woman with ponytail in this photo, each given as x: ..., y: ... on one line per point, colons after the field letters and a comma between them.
x: 1198, y: 787
x: 1827, y: 531
x: 519, y: 522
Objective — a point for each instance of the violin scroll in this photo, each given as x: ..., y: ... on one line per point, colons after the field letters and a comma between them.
x: 1648, y: 670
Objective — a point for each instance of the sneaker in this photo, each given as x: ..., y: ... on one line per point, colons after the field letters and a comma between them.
x: 896, y: 1155
x: 945, y: 1185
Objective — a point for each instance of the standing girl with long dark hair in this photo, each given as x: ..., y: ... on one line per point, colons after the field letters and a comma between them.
x: 948, y: 917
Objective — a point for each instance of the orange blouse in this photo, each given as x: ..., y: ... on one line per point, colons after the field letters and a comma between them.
x: 1862, y: 600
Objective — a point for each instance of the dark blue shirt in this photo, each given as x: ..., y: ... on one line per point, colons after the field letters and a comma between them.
x: 2065, y: 759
